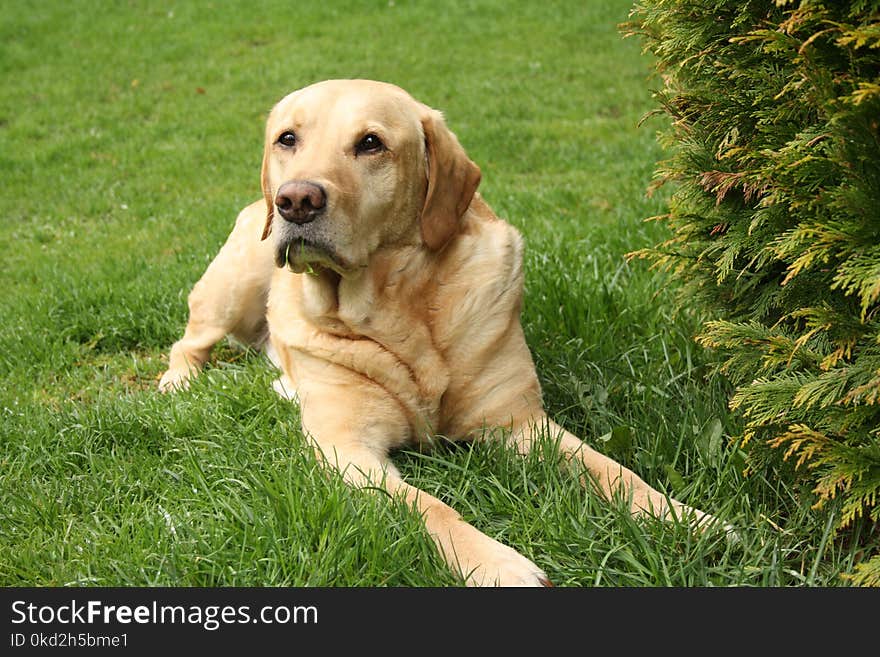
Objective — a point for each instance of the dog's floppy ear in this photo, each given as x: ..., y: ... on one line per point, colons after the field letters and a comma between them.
x: 267, y: 194
x: 452, y: 181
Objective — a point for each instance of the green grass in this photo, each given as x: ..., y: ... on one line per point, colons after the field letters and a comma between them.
x: 130, y: 135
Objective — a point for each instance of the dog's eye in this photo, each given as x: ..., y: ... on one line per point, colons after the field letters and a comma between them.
x: 287, y: 139
x: 369, y: 144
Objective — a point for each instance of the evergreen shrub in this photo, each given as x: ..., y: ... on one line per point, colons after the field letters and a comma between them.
x: 774, y: 160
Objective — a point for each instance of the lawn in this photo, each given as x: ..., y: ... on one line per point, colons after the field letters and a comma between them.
x: 131, y: 134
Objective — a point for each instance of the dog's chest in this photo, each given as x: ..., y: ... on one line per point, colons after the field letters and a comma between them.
x: 375, y: 326
x: 392, y: 311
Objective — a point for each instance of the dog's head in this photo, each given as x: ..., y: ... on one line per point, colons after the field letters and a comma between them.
x: 351, y: 166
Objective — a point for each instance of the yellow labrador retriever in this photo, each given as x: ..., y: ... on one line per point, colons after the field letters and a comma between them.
x: 390, y: 294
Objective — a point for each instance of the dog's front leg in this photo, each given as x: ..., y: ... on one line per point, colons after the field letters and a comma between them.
x: 229, y: 299
x: 479, y: 559
x: 608, y: 476
x: 352, y: 425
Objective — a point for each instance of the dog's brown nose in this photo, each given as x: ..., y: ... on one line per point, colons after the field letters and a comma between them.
x: 300, y: 201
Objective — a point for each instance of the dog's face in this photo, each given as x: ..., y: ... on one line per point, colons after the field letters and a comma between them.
x: 351, y: 166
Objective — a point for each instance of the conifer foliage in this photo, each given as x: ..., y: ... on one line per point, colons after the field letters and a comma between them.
x: 774, y: 152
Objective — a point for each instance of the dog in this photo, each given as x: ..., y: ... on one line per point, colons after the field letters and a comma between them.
x: 389, y: 294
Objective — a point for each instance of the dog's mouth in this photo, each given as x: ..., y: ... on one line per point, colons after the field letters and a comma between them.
x: 302, y: 255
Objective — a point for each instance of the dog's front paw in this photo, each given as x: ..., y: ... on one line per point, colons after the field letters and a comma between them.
x: 495, y: 564
x: 285, y: 389
x: 175, y: 379
x: 701, y: 521
x: 708, y: 522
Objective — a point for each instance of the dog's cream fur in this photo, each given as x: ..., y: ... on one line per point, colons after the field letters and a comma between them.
x: 395, y: 314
